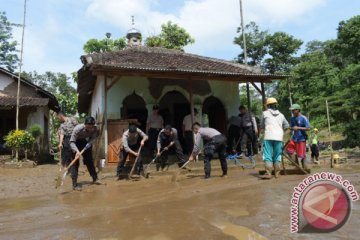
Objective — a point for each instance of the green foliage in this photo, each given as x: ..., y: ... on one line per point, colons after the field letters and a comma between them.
x: 35, y: 130
x: 8, y: 53
x: 104, y: 45
x: 348, y: 40
x: 329, y: 71
x: 255, y: 100
x: 352, y: 134
x: 59, y: 85
x: 256, y: 48
x: 281, y: 47
x: 20, y: 140
x: 275, y: 53
x: 172, y: 36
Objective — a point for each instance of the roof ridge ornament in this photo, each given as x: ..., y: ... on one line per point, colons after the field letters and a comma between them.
x: 133, y: 35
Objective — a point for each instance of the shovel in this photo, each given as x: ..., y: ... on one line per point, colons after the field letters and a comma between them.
x: 175, y: 175
x: 147, y: 174
x: 59, y: 181
x: 133, y: 167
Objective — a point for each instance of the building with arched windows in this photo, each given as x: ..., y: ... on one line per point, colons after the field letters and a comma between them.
x: 114, y: 86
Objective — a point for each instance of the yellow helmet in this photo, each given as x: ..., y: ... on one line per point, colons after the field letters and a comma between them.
x: 336, y: 156
x: 316, y: 130
x: 271, y: 100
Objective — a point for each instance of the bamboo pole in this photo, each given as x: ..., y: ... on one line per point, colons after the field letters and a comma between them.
x: 328, y: 119
x: 20, y: 66
x: 19, y: 77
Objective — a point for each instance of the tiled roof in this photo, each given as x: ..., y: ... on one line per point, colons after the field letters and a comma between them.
x: 153, y: 62
x: 51, y: 99
x: 23, y: 101
x: 167, y: 60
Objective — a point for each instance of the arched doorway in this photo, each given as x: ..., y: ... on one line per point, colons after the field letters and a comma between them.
x: 215, y: 110
x: 134, y: 106
x: 173, y: 108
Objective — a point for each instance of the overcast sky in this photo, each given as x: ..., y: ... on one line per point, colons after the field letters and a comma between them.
x: 56, y: 30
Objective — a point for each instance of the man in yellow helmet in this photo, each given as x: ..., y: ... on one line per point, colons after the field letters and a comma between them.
x: 273, y: 123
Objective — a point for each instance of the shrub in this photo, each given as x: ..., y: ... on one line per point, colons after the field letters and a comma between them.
x: 35, y: 130
x: 19, y: 140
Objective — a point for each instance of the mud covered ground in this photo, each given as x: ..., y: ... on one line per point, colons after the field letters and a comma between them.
x: 237, y: 207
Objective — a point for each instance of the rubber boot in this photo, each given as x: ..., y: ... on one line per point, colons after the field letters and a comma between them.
x: 268, y: 170
x: 277, y: 169
x: 306, y: 165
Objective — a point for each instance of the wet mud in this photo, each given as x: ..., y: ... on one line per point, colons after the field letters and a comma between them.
x: 237, y: 207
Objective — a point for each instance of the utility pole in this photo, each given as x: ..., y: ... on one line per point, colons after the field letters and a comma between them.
x: 245, y: 54
x: 243, y: 32
x: 20, y: 65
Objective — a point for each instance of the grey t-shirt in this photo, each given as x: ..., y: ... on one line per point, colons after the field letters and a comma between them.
x: 128, y: 139
x: 66, y: 128
x: 80, y: 133
x: 206, y: 134
x: 172, y: 137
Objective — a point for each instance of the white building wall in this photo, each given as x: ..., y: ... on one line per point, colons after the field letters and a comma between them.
x: 97, y: 101
x: 226, y: 92
x: 5, y: 81
x: 124, y: 87
x: 37, y: 117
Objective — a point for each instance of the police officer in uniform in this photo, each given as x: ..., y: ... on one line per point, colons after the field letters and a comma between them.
x: 132, y: 139
x: 154, y: 124
x: 248, y: 132
x: 215, y: 143
x: 82, y: 135
x: 168, y: 141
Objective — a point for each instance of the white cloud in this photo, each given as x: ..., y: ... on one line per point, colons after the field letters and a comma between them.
x: 54, y: 45
x: 212, y: 23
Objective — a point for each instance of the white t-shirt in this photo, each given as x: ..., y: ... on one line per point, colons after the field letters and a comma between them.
x: 155, y: 121
x: 187, y: 122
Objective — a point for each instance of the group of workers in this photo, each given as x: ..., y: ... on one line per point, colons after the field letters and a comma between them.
x: 167, y: 141
x: 243, y: 131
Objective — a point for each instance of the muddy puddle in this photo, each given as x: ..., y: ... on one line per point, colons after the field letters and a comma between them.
x: 237, y: 207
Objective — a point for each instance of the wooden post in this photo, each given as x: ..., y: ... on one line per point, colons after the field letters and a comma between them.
x: 191, y: 102
x: 263, y: 95
x: 248, y: 96
x: 328, y: 119
x: 289, y: 89
x: 105, y: 124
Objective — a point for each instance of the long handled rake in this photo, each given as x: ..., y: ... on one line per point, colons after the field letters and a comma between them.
x: 59, y: 181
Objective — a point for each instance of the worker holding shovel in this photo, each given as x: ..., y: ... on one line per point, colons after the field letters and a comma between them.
x: 168, y: 140
x: 132, y: 140
x: 215, y: 142
x: 84, y: 135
